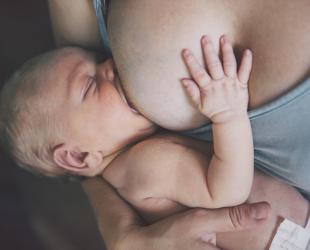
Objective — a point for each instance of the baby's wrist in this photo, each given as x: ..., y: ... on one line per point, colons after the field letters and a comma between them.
x: 229, y: 118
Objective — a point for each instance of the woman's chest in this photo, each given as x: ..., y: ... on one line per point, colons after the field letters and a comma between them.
x: 148, y: 39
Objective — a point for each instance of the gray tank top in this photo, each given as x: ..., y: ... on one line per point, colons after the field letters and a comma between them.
x: 281, y: 132
x: 101, y: 11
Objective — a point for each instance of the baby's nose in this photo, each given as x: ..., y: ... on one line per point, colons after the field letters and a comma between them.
x: 105, y: 72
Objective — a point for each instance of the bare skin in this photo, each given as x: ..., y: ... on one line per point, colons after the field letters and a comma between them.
x: 285, y: 201
x: 276, y: 32
x: 251, y: 28
x: 178, y: 164
x: 122, y: 228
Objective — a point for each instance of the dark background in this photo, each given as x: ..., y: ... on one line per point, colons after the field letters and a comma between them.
x: 37, y: 213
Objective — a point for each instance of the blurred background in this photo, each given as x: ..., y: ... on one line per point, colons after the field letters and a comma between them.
x: 37, y: 213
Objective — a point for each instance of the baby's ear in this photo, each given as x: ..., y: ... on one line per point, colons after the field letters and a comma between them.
x: 76, y: 161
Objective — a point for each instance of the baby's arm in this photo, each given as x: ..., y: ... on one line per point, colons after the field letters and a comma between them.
x: 222, y: 95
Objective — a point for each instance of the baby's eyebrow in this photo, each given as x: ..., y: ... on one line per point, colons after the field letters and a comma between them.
x: 82, y: 66
x: 73, y: 73
x: 74, y: 89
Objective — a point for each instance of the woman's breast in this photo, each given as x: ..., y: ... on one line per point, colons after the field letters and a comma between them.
x: 147, y: 40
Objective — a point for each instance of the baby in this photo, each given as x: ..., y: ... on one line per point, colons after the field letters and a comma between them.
x: 64, y: 114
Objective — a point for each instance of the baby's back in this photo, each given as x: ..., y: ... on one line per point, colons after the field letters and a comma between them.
x: 167, y: 174
x: 167, y: 167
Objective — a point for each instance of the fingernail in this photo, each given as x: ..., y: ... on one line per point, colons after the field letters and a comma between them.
x: 224, y: 39
x: 205, y: 39
x: 186, y: 52
x: 185, y: 83
x: 248, y: 52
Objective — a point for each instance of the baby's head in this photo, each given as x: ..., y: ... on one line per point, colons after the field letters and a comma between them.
x: 62, y: 113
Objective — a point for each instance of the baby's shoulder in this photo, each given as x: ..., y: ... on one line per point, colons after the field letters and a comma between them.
x: 158, y: 145
x: 140, y: 159
x: 138, y: 170
x: 166, y: 144
x: 155, y: 160
x: 164, y: 154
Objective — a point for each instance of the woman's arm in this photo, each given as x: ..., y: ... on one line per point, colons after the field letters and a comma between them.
x: 74, y: 23
x: 122, y: 229
x: 115, y: 217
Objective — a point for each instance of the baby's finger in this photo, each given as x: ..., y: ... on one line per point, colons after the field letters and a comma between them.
x: 245, y: 67
x: 213, y: 62
x: 192, y: 91
x: 229, y: 59
x: 198, y: 73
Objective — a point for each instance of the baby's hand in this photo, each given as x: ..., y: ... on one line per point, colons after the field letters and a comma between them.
x: 219, y: 92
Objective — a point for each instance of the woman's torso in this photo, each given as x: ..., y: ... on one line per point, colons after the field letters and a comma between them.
x: 147, y: 40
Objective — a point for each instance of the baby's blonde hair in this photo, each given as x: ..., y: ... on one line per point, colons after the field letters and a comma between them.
x: 28, y: 126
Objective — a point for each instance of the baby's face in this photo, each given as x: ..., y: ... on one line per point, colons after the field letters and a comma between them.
x: 92, y: 105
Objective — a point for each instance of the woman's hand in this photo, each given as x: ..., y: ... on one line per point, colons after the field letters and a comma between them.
x: 218, y: 91
x: 123, y: 229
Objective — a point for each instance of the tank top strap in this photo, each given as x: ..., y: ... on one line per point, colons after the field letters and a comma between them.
x: 101, y: 7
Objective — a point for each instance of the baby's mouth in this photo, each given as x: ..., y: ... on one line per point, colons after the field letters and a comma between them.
x: 122, y: 94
